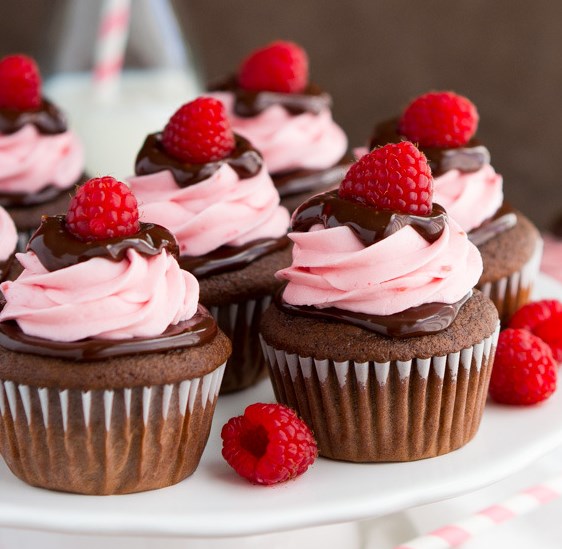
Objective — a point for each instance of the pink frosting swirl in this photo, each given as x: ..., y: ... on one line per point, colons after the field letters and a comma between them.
x: 469, y: 198
x: 332, y: 268
x: 139, y: 296
x: 221, y: 210
x: 287, y: 141
x: 8, y: 235
x: 29, y: 161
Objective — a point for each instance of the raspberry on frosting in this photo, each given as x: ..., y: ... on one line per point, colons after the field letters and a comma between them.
x: 278, y: 67
x: 268, y: 444
x: 394, y: 177
x: 439, y: 119
x: 199, y: 132
x: 103, y: 208
x: 20, y: 83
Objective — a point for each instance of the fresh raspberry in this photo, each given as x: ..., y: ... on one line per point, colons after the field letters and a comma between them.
x: 278, y: 67
x: 102, y: 208
x: 394, y: 177
x: 199, y: 132
x: 524, y: 370
x: 544, y: 319
x: 268, y: 444
x: 20, y: 83
x: 550, y: 331
x: 439, y: 119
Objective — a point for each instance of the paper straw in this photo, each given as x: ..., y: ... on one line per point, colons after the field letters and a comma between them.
x: 456, y: 533
x: 110, y: 46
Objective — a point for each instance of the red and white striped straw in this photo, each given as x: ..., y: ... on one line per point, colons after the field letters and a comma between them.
x: 460, y: 532
x: 111, y: 42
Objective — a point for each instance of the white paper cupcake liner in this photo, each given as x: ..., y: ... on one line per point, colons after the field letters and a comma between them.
x: 107, y: 441
x: 512, y: 292
x: 391, y: 411
x: 241, y: 322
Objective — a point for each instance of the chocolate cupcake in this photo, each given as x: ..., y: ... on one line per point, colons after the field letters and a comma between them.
x: 271, y: 102
x: 213, y: 192
x: 40, y: 160
x: 378, y: 340
x: 109, y: 367
x: 443, y: 125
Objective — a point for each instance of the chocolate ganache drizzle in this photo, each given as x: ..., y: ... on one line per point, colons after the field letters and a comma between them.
x: 56, y: 248
x: 198, y: 330
x: 48, y: 119
x: 231, y: 258
x: 249, y: 103
x: 370, y: 226
x: 152, y: 158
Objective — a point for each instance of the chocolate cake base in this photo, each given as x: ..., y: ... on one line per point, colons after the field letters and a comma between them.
x: 511, y: 265
x: 126, y: 424
x: 369, y: 398
x: 237, y: 299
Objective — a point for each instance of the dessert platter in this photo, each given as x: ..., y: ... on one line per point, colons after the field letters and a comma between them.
x: 214, y: 502
x: 378, y: 314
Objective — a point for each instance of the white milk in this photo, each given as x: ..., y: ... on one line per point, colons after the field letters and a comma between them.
x: 114, y: 130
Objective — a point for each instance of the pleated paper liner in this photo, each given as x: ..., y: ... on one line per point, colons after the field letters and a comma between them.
x: 240, y: 322
x: 510, y: 293
x: 392, y: 411
x: 107, y: 441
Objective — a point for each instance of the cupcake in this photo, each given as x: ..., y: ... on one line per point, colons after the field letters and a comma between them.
x: 109, y: 367
x: 443, y: 124
x: 378, y: 339
x: 40, y: 159
x: 271, y: 102
x: 211, y: 189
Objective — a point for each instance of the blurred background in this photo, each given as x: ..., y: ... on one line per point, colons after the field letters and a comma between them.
x: 372, y: 56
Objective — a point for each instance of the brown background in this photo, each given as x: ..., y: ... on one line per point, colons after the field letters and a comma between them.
x: 373, y: 56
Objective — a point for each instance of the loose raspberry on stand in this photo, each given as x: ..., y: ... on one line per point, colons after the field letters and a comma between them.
x: 544, y: 319
x: 20, y: 83
x: 278, y: 67
x: 268, y: 444
x: 524, y: 370
x: 103, y: 208
x: 439, y: 119
x: 550, y: 331
x: 199, y: 132
x: 394, y: 177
